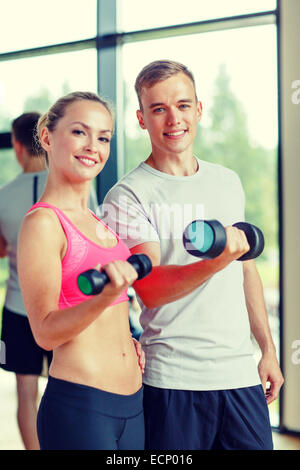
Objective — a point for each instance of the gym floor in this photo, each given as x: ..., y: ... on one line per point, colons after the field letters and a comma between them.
x: 9, y: 433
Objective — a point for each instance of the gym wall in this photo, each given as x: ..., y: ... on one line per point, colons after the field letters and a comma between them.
x: 290, y: 180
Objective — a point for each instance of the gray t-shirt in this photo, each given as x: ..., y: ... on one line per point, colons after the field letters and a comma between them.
x: 201, y: 341
x: 16, y: 198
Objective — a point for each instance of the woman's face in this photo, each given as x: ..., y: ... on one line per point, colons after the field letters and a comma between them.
x: 79, y: 146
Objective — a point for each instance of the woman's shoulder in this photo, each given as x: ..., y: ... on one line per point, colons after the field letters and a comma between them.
x: 43, y: 216
x: 42, y: 222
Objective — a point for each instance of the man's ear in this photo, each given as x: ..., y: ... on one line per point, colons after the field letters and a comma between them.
x: 140, y: 117
x: 18, y: 147
x: 45, y: 139
x: 199, y: 110
x: 19, y: 152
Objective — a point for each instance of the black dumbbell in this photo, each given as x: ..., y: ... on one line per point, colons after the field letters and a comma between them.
x: 92, y: 281
x: 207, y: 239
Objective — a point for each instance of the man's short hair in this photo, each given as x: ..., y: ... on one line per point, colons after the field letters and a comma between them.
x: 24, y: 130
x: 158, y: 71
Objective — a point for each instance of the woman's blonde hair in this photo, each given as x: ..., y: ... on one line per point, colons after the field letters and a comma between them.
x: 58, y: 109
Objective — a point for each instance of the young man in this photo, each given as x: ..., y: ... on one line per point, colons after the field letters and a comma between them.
x: 202, y: 389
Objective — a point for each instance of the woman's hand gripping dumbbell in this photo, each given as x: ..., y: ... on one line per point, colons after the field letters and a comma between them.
x: 92, y: 281
x: 207, y: 239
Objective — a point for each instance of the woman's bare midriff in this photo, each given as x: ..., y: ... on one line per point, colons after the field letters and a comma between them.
x: 102, y: 356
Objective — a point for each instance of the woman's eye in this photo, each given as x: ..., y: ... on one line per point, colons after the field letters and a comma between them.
x: 77, y: 132
x: 103, y: 139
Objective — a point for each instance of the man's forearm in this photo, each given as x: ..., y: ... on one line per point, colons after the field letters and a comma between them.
x: 257, y: 312
x: 166, y: 284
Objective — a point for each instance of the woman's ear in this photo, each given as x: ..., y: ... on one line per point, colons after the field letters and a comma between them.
x: 45, y: 139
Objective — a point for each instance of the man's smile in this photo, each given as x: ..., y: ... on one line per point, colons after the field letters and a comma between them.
x: 175, y: 134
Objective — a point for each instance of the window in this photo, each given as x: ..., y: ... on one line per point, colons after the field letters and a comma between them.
x: 43, y: 80
x: 32, y: 23
x: 250, y: 69
x: 158, y: 13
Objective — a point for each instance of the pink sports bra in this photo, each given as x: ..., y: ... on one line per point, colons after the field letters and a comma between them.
x: 82, y: 254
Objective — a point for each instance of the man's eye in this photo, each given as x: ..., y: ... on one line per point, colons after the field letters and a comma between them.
x: 184, y: 106
x: 158, y: 110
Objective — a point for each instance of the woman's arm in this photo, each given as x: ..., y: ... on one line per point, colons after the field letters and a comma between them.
x: 40, y: 247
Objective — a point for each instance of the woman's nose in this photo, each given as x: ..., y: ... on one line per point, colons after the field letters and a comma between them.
x: 92, y: 144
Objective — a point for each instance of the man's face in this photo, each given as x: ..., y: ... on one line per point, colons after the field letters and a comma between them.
x: 170, y: 114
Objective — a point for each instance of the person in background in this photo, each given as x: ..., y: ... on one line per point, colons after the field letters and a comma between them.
x: 22, y: 355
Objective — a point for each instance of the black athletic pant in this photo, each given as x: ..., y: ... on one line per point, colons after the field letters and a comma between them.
x: 74, y: 416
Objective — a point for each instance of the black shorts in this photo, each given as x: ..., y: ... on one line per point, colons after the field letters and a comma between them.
x: 234, y: 419
x: 19, y: 351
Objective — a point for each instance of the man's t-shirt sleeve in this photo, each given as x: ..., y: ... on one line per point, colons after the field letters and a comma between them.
x: 126, y: 215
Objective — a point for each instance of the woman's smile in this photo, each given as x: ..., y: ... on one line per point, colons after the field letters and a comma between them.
x: 86, y: 161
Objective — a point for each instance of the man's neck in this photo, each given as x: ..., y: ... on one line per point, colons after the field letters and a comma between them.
x: 174, y: 165
x: 34, y: 164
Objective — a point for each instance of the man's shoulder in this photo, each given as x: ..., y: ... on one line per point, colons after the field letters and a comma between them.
x: 130, y: 182
x: 16, y: 191
x: 11, y: 184
x: 21, y: 180
x: 218, y: 169
x: 8, y: 191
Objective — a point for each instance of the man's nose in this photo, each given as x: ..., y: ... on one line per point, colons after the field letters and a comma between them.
x: 173, y: 117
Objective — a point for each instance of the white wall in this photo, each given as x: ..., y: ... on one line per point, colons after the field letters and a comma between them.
x: 290, y: 73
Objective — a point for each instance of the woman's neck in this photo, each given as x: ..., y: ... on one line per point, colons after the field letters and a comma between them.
x: 67, y: 196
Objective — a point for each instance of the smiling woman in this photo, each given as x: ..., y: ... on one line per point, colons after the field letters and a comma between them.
x: 60, y: 131
x: 84, y: 140
x: 95, y: 364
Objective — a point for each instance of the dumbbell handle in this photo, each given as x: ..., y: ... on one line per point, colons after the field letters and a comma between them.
x: 92, y: 281
x: 207, y: 239
x: 255, y: 239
